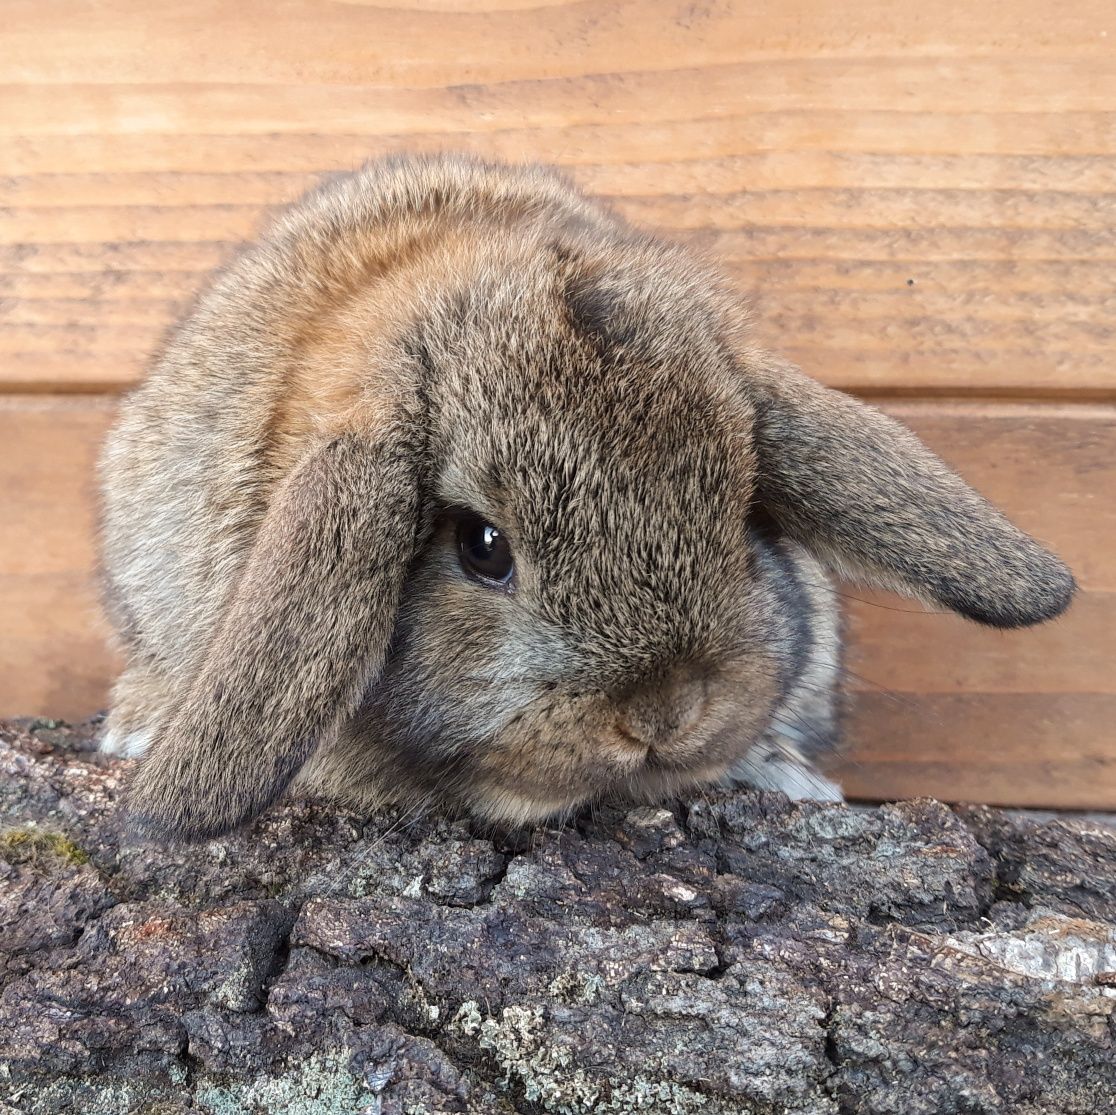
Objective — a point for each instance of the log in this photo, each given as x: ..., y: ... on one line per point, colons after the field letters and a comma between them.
x: 733, y: 953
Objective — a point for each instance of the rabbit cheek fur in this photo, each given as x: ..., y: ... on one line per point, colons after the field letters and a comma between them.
x: 438, y: 334
x: 526, y: 723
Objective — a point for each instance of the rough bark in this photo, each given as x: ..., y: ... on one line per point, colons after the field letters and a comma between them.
x: 736, y: 954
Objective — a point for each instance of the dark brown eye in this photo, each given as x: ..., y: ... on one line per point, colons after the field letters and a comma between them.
x: 484, y: 551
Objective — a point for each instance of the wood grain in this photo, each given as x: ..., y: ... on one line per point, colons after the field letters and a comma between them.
x: 945, y: 708
x: 1042, y: 750
x: 419, y: 44
x: 938, y: 706
x: 53, y: 653
x: 913, y: 203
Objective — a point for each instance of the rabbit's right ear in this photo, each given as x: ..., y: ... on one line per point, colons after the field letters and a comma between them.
x: 306, y: 631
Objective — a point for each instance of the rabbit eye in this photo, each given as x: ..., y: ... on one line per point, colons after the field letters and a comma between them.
x: 484, y: 551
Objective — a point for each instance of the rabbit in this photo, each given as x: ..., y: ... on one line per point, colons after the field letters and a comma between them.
x: 457, y: 491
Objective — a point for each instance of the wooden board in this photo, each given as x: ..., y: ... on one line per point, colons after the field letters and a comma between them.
x: 945, y: 708
x: 1022, y: 749
x: 938, y: 706
x: 53, y: 655
x: 917, y: 201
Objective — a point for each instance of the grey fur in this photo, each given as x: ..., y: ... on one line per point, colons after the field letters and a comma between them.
x: 440, y: 332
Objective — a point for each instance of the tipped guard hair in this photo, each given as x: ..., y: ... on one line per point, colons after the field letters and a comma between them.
x: 306, y: 630
x: 866, y: 496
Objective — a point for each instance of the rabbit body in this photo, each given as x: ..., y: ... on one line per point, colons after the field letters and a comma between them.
x: 435, y: 351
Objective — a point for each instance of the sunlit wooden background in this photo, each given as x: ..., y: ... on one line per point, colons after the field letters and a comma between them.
x: 920, y: 200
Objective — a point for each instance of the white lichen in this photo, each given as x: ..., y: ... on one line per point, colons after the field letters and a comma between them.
x: 320, y: 1085
x: 547, y: 1074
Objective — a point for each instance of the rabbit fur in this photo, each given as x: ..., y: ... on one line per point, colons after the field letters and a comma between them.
x: 438, y: 337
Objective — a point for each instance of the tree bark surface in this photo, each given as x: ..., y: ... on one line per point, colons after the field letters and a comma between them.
x: 734, y: 954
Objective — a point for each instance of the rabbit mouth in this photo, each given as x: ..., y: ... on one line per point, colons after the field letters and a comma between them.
x: 568, y: 754
x: 653, y: 780
x: 658, y: 781
x: 503, y: 805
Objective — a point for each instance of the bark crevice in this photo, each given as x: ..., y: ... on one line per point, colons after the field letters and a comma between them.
x: 736, y: 954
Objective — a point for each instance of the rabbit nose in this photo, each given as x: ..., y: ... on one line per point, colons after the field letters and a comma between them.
x: 665, y: 711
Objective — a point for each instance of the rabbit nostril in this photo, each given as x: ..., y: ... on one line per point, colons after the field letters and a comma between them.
x: 657, y: 715
x: 690, y: 704
x: 633, y: 730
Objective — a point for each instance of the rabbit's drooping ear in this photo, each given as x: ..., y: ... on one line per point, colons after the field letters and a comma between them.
x: 306, y: 630
x: 865, y: 495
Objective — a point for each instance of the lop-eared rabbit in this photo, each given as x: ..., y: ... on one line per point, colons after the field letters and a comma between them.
x: 457, y: 490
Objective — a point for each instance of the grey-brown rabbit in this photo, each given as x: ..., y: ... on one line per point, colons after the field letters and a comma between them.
x: 456, y: 489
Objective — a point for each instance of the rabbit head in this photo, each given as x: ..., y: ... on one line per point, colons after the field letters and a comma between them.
x: 521, y: 487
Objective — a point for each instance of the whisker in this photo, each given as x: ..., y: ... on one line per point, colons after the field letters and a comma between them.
x: 801, y: 727
x: 404, y: 818
x: 891, y: 607
x: 901, y: 699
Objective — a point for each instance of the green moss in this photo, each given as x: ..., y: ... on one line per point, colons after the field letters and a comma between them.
x: 36, y: 846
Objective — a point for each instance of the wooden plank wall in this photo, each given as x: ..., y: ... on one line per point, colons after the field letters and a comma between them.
x: 919, y: 199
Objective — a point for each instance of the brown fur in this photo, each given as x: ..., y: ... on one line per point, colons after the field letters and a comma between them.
x: 438, y: 333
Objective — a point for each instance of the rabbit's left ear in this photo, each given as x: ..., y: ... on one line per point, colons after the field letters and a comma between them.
x: 865, y: 495
x: 305, y: 632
